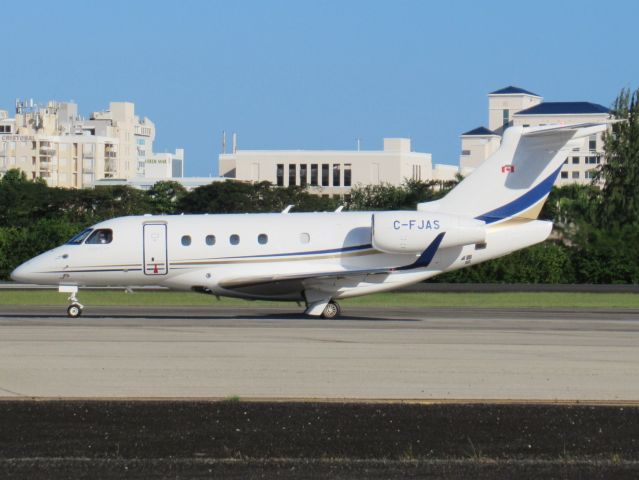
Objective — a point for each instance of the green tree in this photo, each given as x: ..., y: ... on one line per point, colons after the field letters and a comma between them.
x: 240, y: 197
x: 391, y: 197
x: 618, y: 203
x: 165, y: 196
x: 547, y: 262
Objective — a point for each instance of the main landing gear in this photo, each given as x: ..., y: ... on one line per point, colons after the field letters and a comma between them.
x: 331, y: 310
x: 323, y: 308
x: 75, y: 308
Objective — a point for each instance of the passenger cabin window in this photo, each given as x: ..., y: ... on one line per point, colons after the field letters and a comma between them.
x: 305, y: 238
x: 186, y: 240
x: 79, y: 238
x: 210, y: 239
x: 101, y: 236
x: 262, y: 239
x: 234, y: 239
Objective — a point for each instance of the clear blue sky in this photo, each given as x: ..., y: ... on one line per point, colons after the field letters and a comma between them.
x: 289, y: 74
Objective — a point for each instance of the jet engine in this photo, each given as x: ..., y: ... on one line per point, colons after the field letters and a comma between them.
x: 412, y: 232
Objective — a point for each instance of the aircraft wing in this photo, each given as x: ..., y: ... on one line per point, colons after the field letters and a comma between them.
x: 250, y: 281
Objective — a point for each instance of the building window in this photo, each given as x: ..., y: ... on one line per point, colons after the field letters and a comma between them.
x: 262, y: 239
x: 305, y: 238
x: 592, y: 143
x: 590, y: 174
x: 303, y: 175
x: 505, y: 117
x: 234, y: 239
x: 186, y: 240
x: 575, y: 160
x: 575, y: 175
x: 210, y: 240
x: 465, y: 152
x: 564, y: 174
x: 347, y: 174
x: 280, y: 175
x: 336, y: 175
x: 292, y: 173
x: 314, y: 174
x: 324, y: 175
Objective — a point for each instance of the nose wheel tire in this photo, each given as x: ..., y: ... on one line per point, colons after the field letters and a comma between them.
x: 332, y: 310
x: 74, y: 310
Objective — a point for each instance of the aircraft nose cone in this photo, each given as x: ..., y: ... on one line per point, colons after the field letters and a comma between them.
x: 20, y: 274
x: 24, y: 273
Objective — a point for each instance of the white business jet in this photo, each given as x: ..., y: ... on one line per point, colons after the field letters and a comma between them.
x: 319, y: 258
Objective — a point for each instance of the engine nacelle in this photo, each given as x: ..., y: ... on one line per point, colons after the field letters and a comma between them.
x: 412, y: 232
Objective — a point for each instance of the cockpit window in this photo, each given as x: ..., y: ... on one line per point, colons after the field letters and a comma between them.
x: 101, y: 236
x: 79, y: 238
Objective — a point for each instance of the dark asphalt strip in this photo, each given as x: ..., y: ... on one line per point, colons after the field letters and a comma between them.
x: 235, y: 439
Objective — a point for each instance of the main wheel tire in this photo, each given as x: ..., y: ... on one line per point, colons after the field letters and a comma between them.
x: 74, y: 310
x: 331, y: 310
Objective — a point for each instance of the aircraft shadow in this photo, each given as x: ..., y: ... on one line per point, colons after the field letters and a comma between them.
x: 220, y: 317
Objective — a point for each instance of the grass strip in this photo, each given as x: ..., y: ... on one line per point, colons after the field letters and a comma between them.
x: 389, y: 300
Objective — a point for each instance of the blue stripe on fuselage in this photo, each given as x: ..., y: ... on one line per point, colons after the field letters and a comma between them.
x: 427, y: 255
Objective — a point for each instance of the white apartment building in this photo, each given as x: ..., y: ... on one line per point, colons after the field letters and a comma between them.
x: 165, y: 165
x: 516, y: 106
x: 54, y: 143
x: 334, y: 172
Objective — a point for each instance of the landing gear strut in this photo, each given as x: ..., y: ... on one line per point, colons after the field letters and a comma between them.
x: 75, y: 309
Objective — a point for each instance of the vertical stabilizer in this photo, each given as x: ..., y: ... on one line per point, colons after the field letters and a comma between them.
x: 515, y: 181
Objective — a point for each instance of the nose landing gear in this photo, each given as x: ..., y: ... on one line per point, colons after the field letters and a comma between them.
x: 75, y: 308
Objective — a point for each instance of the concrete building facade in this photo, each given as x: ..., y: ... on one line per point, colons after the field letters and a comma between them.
x: 165, y: 165
x: 54, y: 143
x: 515, y: 106
x: 334, y: 172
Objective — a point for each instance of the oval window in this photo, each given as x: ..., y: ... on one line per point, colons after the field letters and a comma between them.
x: 305, y: 238
x: 234, y: 239
x: 262, y: 238
x: 186, y: 240
x: 210, y: 239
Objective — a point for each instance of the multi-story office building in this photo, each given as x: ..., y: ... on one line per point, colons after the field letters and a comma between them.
x: 334, y: 172
x: 516, y: 106
x: 54, y: 143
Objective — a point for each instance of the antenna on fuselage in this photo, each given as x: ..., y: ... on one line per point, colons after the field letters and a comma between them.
x: 339, y: 209
x: 288, y: 209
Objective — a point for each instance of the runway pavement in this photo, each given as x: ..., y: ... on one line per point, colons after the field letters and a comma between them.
x: 522, y: 354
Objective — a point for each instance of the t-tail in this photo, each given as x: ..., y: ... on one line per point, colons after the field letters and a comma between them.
x: 514, y: 182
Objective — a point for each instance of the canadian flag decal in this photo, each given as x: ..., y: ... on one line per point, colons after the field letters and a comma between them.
x: 507, y: 169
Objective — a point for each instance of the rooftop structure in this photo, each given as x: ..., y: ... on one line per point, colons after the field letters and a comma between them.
x: 516, y: 106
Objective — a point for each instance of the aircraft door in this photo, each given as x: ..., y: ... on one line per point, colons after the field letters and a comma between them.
x: 155, y: 253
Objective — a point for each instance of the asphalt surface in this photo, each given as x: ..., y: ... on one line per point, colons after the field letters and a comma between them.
x: 245, y: 440
x: 395, y: 353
